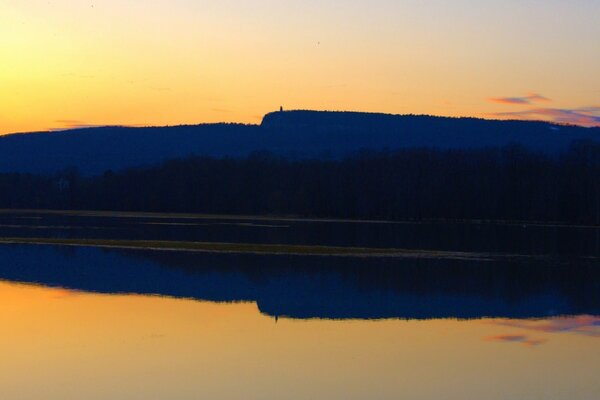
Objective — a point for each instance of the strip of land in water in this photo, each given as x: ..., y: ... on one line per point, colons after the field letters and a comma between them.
x: 169, y: 215
x: 231, y: 217
x: 249, y: 248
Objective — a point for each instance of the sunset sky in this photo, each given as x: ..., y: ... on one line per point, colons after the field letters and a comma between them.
x: 66, y: 63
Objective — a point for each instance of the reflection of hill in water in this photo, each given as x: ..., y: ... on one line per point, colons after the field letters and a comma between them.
x: 321, y: 287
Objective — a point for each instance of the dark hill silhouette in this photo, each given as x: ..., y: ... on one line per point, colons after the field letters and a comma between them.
x: 293, y: 134
x: 95, y: 150
x: 349, y: 131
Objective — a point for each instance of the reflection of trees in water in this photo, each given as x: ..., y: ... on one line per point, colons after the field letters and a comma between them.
x: 321, y: 287
x: 332, y: 287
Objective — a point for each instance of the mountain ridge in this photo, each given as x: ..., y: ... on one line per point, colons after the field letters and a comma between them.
x: 291, y: 134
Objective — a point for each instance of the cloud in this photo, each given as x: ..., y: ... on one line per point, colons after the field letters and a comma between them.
x: 584, y: 116
x: 71, y: 124
x: 529, y: 99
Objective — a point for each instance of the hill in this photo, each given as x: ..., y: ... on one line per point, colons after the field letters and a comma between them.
x: 292, y: 134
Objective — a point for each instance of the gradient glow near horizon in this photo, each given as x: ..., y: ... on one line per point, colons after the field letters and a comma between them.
x: 66, y: 63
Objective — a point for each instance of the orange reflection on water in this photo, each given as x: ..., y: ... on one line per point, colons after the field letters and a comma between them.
x: 57, y: 344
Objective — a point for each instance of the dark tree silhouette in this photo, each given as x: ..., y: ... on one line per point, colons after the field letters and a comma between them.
x: 508, y: 183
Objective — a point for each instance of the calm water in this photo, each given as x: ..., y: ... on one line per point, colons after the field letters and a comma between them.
x: 476, y: 237
x: 79, y: 322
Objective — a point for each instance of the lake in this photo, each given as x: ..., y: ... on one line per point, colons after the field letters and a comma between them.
x: 520, y: 322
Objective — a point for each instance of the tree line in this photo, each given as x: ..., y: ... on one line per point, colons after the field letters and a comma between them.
x: 508, y: 183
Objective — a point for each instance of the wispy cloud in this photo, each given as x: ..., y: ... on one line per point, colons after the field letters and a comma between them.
x: 584, y: 116
x: 67, y: 124
x: 529, y: 99
x: 72, y: 123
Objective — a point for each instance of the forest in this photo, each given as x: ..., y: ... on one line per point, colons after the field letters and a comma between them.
x: 504, y: 183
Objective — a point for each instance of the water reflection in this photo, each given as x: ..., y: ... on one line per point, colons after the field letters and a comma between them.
x: 322, y: 287
x: 508, y: 238
x: 79, y: 323
x: 583, y: 324
x: 536, y: 332
x: 57, y: 344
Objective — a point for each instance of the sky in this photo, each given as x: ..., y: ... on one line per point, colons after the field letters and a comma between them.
x: 68, y: 63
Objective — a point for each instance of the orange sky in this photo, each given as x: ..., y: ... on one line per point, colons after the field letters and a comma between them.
x: 68, y: 63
